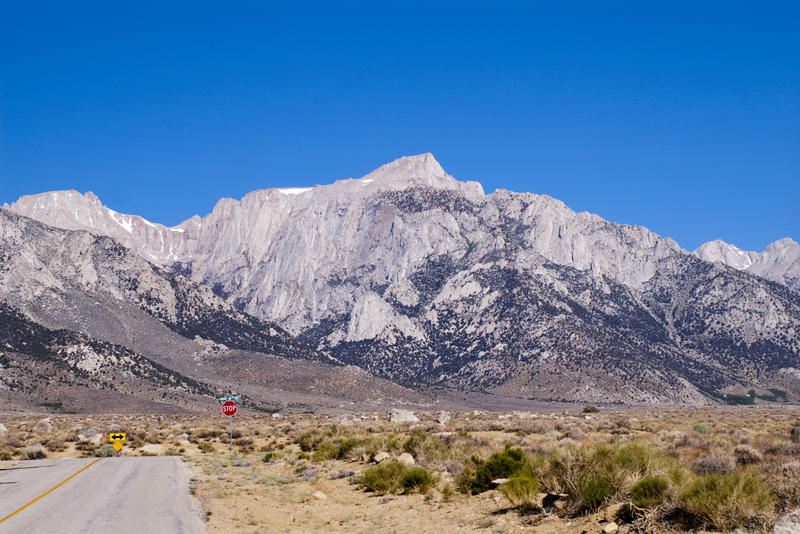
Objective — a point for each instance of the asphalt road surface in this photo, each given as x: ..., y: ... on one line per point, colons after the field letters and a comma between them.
x: 111, y: 496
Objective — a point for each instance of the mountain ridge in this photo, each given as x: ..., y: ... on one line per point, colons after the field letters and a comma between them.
x: 415, y: 276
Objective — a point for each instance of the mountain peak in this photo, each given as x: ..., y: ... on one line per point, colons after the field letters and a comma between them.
x: 783, y: 244
x: 421, y: 170
x: 421, y: 164
x: 779, y: 262
x: 90, y: 196
x: 719, y: 250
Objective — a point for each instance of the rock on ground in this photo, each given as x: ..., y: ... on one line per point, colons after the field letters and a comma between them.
x: 403, y: 416
x: 406, y: 459
x: 44, y: 425
x: 91, y: 435
x: 788, y: 524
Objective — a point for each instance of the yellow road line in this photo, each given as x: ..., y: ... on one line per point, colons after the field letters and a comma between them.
x: 73, y: 475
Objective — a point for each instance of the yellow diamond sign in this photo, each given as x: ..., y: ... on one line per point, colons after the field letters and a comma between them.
x: 117, y: 438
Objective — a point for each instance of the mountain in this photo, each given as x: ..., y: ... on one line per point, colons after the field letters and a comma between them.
x: 416, y: 276
x: 77, y: 299
x: 72, y: 371
x: 779, y: 262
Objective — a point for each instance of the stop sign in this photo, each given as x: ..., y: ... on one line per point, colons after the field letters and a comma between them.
x: 229, y: 408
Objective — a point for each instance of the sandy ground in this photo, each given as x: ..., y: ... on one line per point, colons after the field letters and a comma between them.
x: 273, y: 498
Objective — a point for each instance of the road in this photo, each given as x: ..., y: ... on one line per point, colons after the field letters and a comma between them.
x: 111, y: 496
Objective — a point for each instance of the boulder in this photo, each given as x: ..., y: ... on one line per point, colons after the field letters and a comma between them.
x: 788, y: 524
x: 3, y: 429
x: 402, y: 416
x: 114, y: 427
x: 555, y: 500
x: 406, y: 459
x: 277, y: 415
x: 443, y: 418
x: 91, y: 435
x: 382, y: 457
x: 44, y: 425
x: 610, y: 528
x: 318, y: 495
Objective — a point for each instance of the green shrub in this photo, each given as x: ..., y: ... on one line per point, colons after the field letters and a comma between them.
x: 205, y: 447
x: 325, y: 451
x: 649, y: 492
x: 418, y: 480
x: 105, y: 451
x: 394, y: 477
x: 679, y: 475
x: 714, y: 463
x: 6, y: 455
x: 620, y: 465
x: 740, y: 399
x: 448, y: 493
x: 464, y: 480
x: 521, y: 490
x: 309, y: 441
x: 745, y: 454
x: 778, y: 393
x: 384, y: 478
x: 593, y: 490
x: 427, y: 446
x: 782, y: 480
x: 272, y: 456
x: 701, y: 429
x: 345, y: 447
x: 34, y: 452
x: 561, y: 470
x: 729, y: 500
x: 499, y: 465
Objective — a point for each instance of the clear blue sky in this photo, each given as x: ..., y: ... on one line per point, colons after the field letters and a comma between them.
x: 684, y: 118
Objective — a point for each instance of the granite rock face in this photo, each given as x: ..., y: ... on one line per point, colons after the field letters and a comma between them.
x: 779, y: 262
x: 57, y: 277
x: 416, y: 276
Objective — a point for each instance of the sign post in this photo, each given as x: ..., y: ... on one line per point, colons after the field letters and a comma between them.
x: 229, y: 408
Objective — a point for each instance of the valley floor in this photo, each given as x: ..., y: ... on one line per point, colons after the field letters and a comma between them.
x: 720, y: 469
